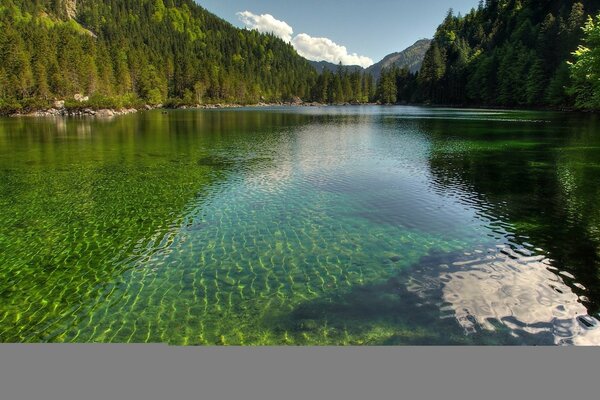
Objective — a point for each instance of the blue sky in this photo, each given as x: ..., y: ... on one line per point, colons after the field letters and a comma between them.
x: 367, y: 29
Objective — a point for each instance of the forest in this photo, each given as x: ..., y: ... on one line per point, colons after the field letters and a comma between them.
x: 148, y: 51
x: 508, y: 53
x: 504, y: 53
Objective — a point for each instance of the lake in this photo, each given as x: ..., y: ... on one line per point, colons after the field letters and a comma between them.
x: 302, y: 226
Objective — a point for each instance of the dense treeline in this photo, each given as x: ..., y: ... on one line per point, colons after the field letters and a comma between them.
x: 146, y: 50
x: 585, y: 70
x: 343, y: 86
x: 504, y: 53
x: 510, y: 53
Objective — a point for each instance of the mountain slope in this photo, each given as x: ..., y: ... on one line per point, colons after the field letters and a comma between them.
x: 411, y: 58
x: 322, y: 66
x: 150, y: 50
x: 505, y: 53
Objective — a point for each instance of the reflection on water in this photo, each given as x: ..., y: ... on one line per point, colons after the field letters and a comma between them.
x: 351, y: 225
x: 521, y: 293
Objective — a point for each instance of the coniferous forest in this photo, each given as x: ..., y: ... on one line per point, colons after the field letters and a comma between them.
x: 507, y: 53
x: 151, y: 50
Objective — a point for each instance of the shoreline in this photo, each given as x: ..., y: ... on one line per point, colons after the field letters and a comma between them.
x: 115, y: 112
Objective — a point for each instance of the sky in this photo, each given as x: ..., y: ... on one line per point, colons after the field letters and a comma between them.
x: 351, y: 31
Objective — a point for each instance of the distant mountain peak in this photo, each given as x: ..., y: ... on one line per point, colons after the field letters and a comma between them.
x: 322, y: 66
x: 411, y: 58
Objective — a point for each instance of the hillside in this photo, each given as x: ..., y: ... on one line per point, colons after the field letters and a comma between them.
x: 140, y: 51
x: 509, y: 53
x: 411, y: 58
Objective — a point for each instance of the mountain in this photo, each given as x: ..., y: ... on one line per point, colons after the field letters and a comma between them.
x: 321, y: 66
x: 411, y: 58
x: 145, y: 51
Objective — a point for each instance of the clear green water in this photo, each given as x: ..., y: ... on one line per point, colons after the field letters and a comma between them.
x: 301, y: 226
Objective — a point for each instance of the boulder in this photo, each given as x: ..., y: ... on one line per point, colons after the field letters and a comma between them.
x: 105, y: 113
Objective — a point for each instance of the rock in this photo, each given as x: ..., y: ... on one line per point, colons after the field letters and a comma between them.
x: 71, y: 8
x: 105, y: 113
x: 296, y: 101
x: 59, y: 104
x: 81, y: 98
x: 148, y: 107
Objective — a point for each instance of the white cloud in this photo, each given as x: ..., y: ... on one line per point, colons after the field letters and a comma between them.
x: 323, y: 49
x: 266, y: 23
x: 312, y: 48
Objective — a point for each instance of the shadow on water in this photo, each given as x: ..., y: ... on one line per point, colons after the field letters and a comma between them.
x: 451, y: 299
x: 416, y: 307
x: 541, y: 178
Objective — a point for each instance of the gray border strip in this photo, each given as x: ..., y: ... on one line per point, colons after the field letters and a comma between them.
x: 130, y: 372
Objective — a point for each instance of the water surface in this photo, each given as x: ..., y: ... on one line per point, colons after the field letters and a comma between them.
x: 301, y: 226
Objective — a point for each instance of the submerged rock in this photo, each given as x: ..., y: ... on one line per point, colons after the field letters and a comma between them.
x: 588, y: 322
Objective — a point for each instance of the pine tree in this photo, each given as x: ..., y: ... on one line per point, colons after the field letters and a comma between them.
x: 585, y: 71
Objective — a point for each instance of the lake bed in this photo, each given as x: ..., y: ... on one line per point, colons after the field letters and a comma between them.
x: 357, y: 225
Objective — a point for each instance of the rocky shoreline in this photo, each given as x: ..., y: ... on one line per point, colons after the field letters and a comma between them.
x: 218, y: 106
x: 59, y: 110
x: 86, y: 112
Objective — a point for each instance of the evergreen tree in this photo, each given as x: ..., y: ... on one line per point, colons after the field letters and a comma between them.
x: 506, y: 52
x: 585, y: 71
x: 152, y: 50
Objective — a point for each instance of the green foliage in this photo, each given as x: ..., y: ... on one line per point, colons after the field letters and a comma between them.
x: 343, y: 86
x: 387, y: 91
x: 512, y: 53
x: 504, y: 53
x: 397, y: 85
x: 153, y: 49
x: 99, y: 101
x: 585, y: 71
x: 9, y: 106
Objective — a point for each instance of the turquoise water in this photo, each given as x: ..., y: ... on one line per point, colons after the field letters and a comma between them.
x: 301, y: 226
